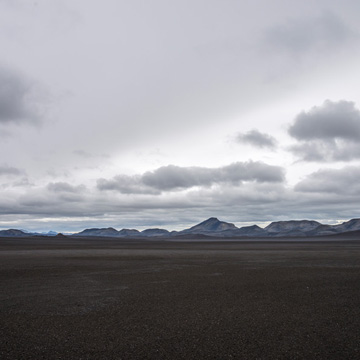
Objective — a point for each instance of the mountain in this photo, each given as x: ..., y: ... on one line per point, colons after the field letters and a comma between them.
x: 211, y: 225
x: 109, y: 232
x: 98, y: 232
x: 155, y: 232
x: 323, y: 230
x: 293, y: 227
x: 246, y: 231
x: 12, y: 233
x: 310, y: 228
x: 49, y: 233
x: 129, y: 233
x: 60, y: 236
x: 351, y: 225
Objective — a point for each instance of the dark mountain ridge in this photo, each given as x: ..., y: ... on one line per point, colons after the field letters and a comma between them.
x: 99, y: 232
x: 292, y: 225
x: 213, y: 227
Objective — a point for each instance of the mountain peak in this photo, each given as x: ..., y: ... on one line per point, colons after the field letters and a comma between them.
x: 60, y: 235
x: 211, y: 220
x: 212, y: 224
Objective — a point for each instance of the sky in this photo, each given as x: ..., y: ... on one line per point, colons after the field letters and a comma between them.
x: 138, y: 114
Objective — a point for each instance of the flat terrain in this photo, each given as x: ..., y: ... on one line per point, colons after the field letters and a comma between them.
x: 131, y: 299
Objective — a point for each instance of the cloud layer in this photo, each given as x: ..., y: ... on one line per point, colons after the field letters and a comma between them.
x: 10, y: 170
x: 175, y: 178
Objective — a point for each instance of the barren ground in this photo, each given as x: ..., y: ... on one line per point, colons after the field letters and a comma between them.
x: 128, y: 299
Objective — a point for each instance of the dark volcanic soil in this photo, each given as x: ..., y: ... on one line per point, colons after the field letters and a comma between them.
x: 116, y: 299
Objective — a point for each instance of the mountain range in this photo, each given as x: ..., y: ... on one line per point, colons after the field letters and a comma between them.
x: 213, y: 227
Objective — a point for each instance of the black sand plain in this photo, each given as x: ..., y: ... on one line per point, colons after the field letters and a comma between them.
x: 151, y: 299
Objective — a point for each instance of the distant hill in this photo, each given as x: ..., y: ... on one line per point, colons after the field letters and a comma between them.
x: 292, y: 226
x: 49, y: 233
x: 155, y: 232
x: 128, y: 233
x: 351, y: 225
x: 12, y: 233
x: 104, y: 232
x: 246, y: 231
x: 60, y: 236
x: 213, y: 227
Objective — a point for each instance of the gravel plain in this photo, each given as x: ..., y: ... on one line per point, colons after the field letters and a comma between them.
x: 145, y: 299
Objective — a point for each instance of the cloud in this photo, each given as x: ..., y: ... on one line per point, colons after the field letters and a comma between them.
x: 256, y: 138
x: 97, y: 206
x: 51, y: 200
x: 126, y: 185
x: 326, y: 151
x: 326, y: 194
x: 343, y: 181
x: 330, y: 132
x: 88, y: 155
x: 251, y: 202
x: 299, y: 36
x: 4, y: 134
x: 9, y: 170
x: 175, y: 178
x: 329, y: 121
x: 63, y: 187
x: 17, y: 99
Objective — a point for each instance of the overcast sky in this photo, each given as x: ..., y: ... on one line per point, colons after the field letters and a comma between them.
x: 163, y: 113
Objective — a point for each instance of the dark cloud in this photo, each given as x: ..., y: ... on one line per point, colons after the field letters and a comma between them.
x: 63, y: 187
x: 330, y: 132
x: 332, y: 181
x: 256, y: 138
x: 9, y: 170
x: 298, y: 36
x: 17, y: 101
x: 329, y: 121
x: 173, y: 178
